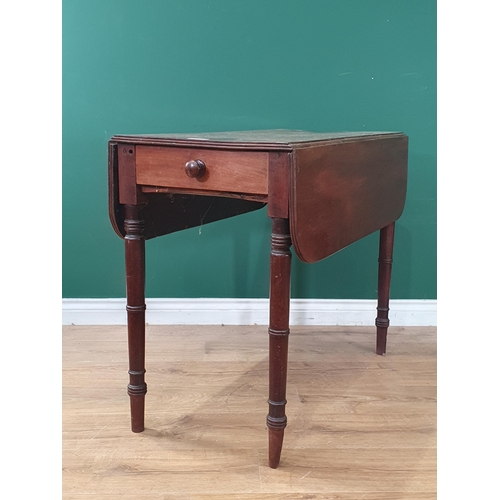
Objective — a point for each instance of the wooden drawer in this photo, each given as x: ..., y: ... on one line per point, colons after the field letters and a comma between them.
x: 226, y: 171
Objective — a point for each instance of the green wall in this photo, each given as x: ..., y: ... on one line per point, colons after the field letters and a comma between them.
x: 157, y: 66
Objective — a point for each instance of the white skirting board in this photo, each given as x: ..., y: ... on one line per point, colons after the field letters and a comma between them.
x: 248, y: 312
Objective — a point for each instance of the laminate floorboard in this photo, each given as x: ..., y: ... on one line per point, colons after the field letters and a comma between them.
x: 360, y: 426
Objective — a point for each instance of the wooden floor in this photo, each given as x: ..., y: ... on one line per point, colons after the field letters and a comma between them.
x: 360, y: 426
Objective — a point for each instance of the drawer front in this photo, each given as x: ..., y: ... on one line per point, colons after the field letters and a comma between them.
x: 228, y: 171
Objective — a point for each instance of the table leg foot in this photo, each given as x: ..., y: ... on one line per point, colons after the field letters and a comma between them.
x: 137, y: 413
x: 384, y: 282
x: 381, y: 341
x: 275, y: 444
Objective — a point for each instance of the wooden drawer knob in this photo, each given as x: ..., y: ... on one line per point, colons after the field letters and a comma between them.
x: 195, y: 168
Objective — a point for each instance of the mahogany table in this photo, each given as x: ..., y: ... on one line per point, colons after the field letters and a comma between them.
x: 323, y: 192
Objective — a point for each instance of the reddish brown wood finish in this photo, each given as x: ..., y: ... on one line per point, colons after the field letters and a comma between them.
x: 384, y: 283
x: 344, y: 191
x: 279, y: 313
x: 175, y: 210
x: 233, y: 171
x: 127, y: 185
x: 195, y: 169
x: 136, y: 309
x: 279, y: 184
x: 324, y: 191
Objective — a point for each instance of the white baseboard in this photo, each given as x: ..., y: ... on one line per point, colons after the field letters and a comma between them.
x: 248, y: 312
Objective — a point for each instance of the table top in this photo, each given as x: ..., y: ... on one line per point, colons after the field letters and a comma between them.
x: 251, y: 139
x: 334, y: 187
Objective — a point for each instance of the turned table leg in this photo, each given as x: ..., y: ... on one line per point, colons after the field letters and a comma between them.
x: 279, y: 312
x: 384, y: 282
x: 136, y: 308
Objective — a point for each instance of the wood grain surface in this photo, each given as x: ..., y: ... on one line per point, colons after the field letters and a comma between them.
x: 342, y: 192
x: 359, y: 425
x: 259, y: 140
x: 234, y: 171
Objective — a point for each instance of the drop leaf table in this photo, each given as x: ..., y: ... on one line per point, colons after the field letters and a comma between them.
x: 323, y: 191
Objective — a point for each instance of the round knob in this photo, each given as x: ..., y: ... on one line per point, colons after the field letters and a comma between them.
x: 195, y: 168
